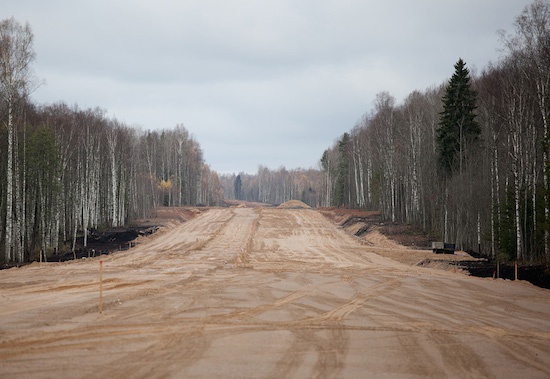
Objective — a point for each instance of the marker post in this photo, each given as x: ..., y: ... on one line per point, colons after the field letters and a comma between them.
x: 100, y: 287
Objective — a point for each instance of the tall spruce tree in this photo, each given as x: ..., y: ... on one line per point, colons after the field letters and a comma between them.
x: 458, y: 128
x: 342, y: 180
x: 238, y: 187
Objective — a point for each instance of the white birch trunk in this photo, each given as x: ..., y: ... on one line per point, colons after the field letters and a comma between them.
x: 361, y: 182
x: 9, y: 186
x: 112, y: 144
x: 517, y: 211
x: 493, y: 237
x: 18, y: 205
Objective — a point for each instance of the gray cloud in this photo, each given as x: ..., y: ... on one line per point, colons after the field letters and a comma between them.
x: 256, y: 82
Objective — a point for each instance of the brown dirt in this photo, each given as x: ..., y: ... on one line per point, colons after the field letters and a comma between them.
x: 397, y: 242
x: 244, y: 204
x: 264, y: 292
x: 294, y: 204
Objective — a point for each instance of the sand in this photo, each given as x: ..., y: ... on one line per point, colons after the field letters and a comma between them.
x: 266, y: 293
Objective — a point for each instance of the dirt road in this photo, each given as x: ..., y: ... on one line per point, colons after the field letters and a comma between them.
x: 265, y: 293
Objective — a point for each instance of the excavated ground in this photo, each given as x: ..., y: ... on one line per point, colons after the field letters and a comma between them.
x: 270, y: 293
x: 410, y: 245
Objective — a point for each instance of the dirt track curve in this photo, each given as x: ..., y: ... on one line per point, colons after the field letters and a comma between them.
x: 265, y: 293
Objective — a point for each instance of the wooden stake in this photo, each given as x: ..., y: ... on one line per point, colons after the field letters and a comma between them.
x: 100, y: 287
x: 498, y: 269
x: 40, y: 256
x: 515, y: 270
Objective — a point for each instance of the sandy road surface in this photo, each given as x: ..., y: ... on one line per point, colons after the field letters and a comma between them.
x: 265, y: 293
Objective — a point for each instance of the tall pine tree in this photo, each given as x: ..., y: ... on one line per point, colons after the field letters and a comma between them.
x: 458, y: 128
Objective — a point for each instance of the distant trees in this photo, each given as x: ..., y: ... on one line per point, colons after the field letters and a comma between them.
x: 275, y: 186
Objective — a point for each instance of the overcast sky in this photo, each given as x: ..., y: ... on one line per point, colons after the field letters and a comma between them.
x: 270, y: 82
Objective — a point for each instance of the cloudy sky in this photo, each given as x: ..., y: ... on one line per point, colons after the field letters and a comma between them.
x: 270, y: 82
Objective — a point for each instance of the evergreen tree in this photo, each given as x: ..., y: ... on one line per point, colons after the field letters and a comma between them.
x: 238, y: 187
x: 458, y: 127
x: 342, y: 187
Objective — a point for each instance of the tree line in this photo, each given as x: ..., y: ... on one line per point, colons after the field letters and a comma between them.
x: 467, y: 160
x: 273, y: 186
x: 67, y: 170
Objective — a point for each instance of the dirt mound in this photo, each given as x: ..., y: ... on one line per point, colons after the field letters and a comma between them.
x: 244, y: 204
x: 294, y: 204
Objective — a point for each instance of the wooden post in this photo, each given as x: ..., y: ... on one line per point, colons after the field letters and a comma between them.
x: 498, y: 269
x: 100, y: 287
x: 515, y: 270
x: 40, y: 255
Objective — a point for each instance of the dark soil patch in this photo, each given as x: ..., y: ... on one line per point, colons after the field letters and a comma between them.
x: 105, y: 241
x: 5, y: 266
x: 368, y: 221
x: 109, y: 240
x: 537, y: 275
x: 100, y: 242
x: 334, y: 213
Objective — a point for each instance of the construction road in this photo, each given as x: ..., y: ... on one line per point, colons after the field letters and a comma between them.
x: 265, y: 293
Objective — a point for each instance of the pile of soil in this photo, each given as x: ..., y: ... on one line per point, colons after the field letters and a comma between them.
x: 294, y: 204
x: 244, y: 204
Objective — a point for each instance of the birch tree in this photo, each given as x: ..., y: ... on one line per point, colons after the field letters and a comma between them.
x: 531, y: 46
x: 385, y: 130
x: 492, y: 117
x: 16, y: 80
x: 414, y: 115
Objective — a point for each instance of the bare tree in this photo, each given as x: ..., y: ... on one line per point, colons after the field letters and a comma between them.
x: 16, y: 80
x: 531, y: 46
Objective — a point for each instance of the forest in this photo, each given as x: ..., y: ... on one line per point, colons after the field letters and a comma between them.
x: 467, y: 161
x: 67, y: 170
